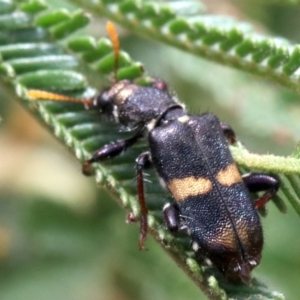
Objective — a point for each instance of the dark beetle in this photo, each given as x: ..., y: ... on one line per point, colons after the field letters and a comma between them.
x: 193, y: 161
x: 191, y: 157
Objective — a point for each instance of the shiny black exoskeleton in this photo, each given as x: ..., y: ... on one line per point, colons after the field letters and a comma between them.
x: 192, y: 159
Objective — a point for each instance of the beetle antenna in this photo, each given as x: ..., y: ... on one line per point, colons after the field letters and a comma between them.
x: 42, y: 95
x: 112, y: 32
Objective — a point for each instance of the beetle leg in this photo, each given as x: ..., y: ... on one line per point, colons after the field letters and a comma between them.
x: 258, y: 182
x: 172, y: 216
x: 229, y: 133
x: 173, y: 219
x: 142, y: 162
x: 109, y: 151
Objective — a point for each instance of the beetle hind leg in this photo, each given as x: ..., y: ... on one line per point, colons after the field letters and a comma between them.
x: 258, y: 182
x: 172, y: 217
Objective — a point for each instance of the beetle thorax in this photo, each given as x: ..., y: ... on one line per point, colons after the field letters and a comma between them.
x: 135, y: 106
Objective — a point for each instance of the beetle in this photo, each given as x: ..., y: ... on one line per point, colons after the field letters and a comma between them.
x: 191, y: 157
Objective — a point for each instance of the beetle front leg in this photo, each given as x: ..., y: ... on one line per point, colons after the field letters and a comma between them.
x: 109, y: 151
x: 258, y: 182
x: 142, y: 162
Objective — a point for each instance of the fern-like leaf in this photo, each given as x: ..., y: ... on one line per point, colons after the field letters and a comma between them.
x: 217, y: 38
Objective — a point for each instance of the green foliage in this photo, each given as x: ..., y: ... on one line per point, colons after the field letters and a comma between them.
x: 35, y: 57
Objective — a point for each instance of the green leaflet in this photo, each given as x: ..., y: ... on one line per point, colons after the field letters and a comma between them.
x: 217, y: 38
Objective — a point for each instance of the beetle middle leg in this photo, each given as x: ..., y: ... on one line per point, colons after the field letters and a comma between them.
x: 229, y: 133
x: 258, y: 182
x: 142, y: 162
x: 109, y: 151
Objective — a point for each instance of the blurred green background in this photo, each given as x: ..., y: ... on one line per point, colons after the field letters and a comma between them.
x: 61, y: 237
